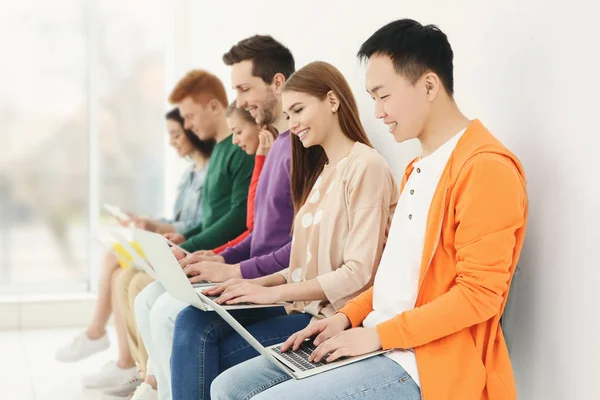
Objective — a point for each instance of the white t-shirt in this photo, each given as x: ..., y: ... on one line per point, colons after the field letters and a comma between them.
x: 396, y: 283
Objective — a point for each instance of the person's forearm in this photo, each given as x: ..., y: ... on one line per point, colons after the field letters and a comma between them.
x: 165, y: 228
x: 303, y: 291
x: 239, y: 252
x: 268, y: 263
x: 269, y: 280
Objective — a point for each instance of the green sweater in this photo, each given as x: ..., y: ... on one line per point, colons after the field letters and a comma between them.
x: 224, y: 198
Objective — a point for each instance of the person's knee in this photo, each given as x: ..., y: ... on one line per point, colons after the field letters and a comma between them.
x: 110, y: 262
x: 140, y: 282
x: 247, y: 380
x: 140, y: 306
x: 191, y: 319
x: 145, y: 300
x: 137, y: 285
x: 220, y: 387
x: 123, y: 279
x: 163, y: 314
x: 190, y: 327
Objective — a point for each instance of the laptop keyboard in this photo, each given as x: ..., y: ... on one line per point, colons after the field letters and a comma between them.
x: 299, y: 358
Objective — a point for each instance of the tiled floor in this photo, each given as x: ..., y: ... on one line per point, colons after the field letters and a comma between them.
x: 28, y: 370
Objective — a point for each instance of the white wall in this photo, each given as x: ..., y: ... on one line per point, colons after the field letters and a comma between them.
x: 528, y: 70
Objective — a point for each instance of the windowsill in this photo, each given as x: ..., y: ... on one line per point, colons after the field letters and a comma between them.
x: 45, y: 297
x: 52, y: 310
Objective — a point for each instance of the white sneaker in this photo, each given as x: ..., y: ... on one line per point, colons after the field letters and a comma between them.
x: 81, y: 347
x: 126, y: 389
x: 145, y: 392
x: 110, y: 376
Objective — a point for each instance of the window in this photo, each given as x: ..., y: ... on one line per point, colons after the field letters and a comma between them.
x: 82, y: 116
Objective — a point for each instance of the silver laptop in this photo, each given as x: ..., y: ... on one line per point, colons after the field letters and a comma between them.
x: 170, y: 274
x: 294, y: 363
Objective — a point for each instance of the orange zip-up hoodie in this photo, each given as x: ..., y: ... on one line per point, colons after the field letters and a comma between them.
x: 474, y: 235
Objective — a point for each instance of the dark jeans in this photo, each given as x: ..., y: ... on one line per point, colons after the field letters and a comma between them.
x: 204, y: 345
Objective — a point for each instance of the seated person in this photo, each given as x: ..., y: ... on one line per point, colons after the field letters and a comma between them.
x: 344, y: 196
x: 249, y: 136
x: 267, y: 248
x: 444, y: 277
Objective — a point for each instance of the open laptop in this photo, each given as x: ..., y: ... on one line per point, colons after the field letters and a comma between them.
x: 108, y: 245
x: 293, y: 363
x: 119, y: 214
x: 172, y: 244
x: 138, y: 261
x: 170, y: 274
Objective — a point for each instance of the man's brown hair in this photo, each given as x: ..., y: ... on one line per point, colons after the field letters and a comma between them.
x: 268, y: 56
x: 200, y: 85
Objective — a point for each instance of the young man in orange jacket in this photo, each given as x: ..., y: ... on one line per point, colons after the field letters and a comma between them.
x: 453, y: 246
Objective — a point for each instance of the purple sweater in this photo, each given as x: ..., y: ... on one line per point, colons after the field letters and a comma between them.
x: 267, y: 249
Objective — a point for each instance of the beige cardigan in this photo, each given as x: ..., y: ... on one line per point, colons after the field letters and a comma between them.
x: 340, y: 232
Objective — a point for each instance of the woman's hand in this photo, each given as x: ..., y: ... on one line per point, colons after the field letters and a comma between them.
x: 265, y: 141
x: 247, y: 292
x: 218, y: 289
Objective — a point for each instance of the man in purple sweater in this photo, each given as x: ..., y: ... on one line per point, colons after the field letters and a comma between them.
x: 260, y: 67
x: 202, y: 344
x: 267, y: 249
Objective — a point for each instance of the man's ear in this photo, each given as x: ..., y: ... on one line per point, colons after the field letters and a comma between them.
x: 278, y: 82
x: 214, y: 106
x: 432, y: 85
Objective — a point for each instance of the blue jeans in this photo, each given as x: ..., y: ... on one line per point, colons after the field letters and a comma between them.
x: 374, y: 378
x: 204, y: 345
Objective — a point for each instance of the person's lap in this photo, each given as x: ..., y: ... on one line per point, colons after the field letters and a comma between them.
x: 204, y: 344
x: 374, y: 378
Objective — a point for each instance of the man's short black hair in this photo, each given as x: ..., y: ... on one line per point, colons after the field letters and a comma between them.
x: 268, y: 56
x: 414, y: 49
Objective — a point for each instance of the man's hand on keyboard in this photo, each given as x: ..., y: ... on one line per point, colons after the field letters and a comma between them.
x: 247, y: 292
x: 322, y: 330
x: 200, y: 256
x: 350, y: 343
